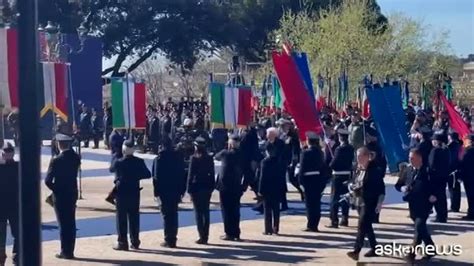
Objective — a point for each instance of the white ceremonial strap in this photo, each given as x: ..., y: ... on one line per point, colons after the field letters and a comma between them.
x: 341, y: 172
x: 311, y: 173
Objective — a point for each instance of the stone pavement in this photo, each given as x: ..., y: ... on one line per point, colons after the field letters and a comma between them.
x: 96, y: 231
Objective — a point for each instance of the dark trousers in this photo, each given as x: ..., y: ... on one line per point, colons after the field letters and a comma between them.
x: 96, y: 139
x: 230, y: 207
x: 128, y: 218
x: 469, y: 187
x: 339, y: 188
x: 106, y: 137
x: 201, y: 201
x: 421, y: 232
x: 294, y: 179
x: 169, y: 211
x: 364, y: 228
x: 441, y: 203
x: 313, y: 207
x: 271, y: 210
x: 85, y: 137
x: 454, y: 194
x: 66, y: 215
x: 12, y: 219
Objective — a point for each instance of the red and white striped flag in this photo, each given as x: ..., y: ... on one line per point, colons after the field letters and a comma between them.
x: 8, y: 68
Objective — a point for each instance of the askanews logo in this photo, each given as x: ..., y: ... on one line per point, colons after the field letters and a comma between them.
x: 399, y: 250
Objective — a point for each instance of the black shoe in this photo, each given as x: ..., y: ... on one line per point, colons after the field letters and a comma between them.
x: 438, y: 221
x: 135, y: 247
x: 410, y: 257
x: 311, y: 230
x: 371, y: 253
x: 110, y: 200
x: 120, y: 248
x: 332, y: 226
x: 227, y: 238
x: 344, y: 223
x: 267, y: 233
x: 237, y: 239
x: 353, y: 255
x: 455, y: 210
x: 467, y: 218
x: 201, y: 241
x: 168, y: 245
x: 302, y: 197
x: 64, y: 256
x: 15, y: 259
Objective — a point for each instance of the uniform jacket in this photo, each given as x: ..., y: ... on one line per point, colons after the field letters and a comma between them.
x: 438, y: 167
x: 153, y: 130
x: 272, y: 182
x: 201, y: 174
x: 62, y: 175
x: 312, y: 160
x: 343, y: 158
x: 169, y: 176
x: 230, y: 178
x: 9, y: 181
x: 466, y: 165
x: 419, y: 191
x: 129, y: 170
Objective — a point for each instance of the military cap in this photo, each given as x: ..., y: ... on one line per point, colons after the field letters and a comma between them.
x: 234, y: 137
x: 342, y: 131
x: 200, y: 141
x: 8, y: 148
x: 310, y: 135
x: 63, y: 138
x: 129, y: 143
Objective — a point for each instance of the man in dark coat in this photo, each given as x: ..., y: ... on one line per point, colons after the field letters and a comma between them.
x: 454, y: 186
x: 9, y: 180
x: 153, y: 132
x: 169, y: 182
x: 438, y: 171
x: 272, y: 186
x: 97, y: 129
x: 61, y: 179
x: 466, y: 168
x: 231, y: 185
x: 313, y: 176
x: 417, y: 190
x: 425, y: 145
x: 85, y: 126
x: 165, y: 124
x: 341, y: 166
x: 129, y: 170
x: 250, y: 152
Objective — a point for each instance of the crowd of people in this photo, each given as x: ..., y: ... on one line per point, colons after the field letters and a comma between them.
x: 349, y: 156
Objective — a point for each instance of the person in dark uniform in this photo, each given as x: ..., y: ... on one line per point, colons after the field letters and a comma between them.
x: 153, y: 132
x: 272, y: 186
x: 466, y: 168
x: 417, y: 192
x: 129, y: 170
x: 61, y: 179
x: 425, y: 146
x: 231, y: 186
x: 165, y: 124
x: 313, y: 176
x: 85, y: 126
x: 108, y: 124
x: 9, y: 181
x: 201, y: 183
x: 169, y: 182
x: 454, y: 186
x: 369, y: 192
x: 116, y: 139
x: 250, y: 152
x: 97, y: 130
x: 341, y: 166
x: 13, y: 122
x: 291, y: 156
x: 379, y: 156
x: 438, y: 171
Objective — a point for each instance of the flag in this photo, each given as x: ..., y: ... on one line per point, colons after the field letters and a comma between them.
x: 319, y: 94
x: 231, y: 106
x: 8, y: 68
x: 448, y: 88
x: 343, y: 90
x: 424, y: 97
x: 55, y: 81
x: 455, y: 120
x: 365, y: 104
x: 128, y: 104
x: 264, y: 92
x: 278, y: 94
x: 301, y: 61
x: 405, y: 93
x: 297, y: 100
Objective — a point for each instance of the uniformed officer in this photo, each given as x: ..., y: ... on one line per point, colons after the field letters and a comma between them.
x: 231, y: 185
x: 425, y: 146
x: 61, y: 179
x: 201, y: 183
x: 9, y: 180
x: 341, y: 166
x: 129, y: 170
x: 271, y: 188
x: 169, y: 182
x: 438, y: 170
x: 313, y: 176
x: 466, y: 167
x: 454, y: 146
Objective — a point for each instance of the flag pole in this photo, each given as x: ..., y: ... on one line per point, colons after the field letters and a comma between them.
x: 73, y: 111
x: 130, y: 135
x: 53, y: 106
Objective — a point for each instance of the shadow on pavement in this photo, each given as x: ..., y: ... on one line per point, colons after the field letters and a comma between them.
x: 120, y: 262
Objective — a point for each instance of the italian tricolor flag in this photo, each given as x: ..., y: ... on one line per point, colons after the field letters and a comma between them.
x: 128, y: 104
x: 231, y: 106
x: 54, y: 78
x: 8, y: 68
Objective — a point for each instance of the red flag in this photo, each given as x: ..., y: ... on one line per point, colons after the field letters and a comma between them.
x: 456, y: 121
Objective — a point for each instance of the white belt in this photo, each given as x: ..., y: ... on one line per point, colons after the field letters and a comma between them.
x: 341, y: 172
x: 311, y: 173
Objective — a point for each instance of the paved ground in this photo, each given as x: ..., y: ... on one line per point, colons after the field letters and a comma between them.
x: 96, y: 231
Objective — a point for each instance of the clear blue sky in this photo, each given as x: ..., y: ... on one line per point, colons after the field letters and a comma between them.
x: 457, y: 16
